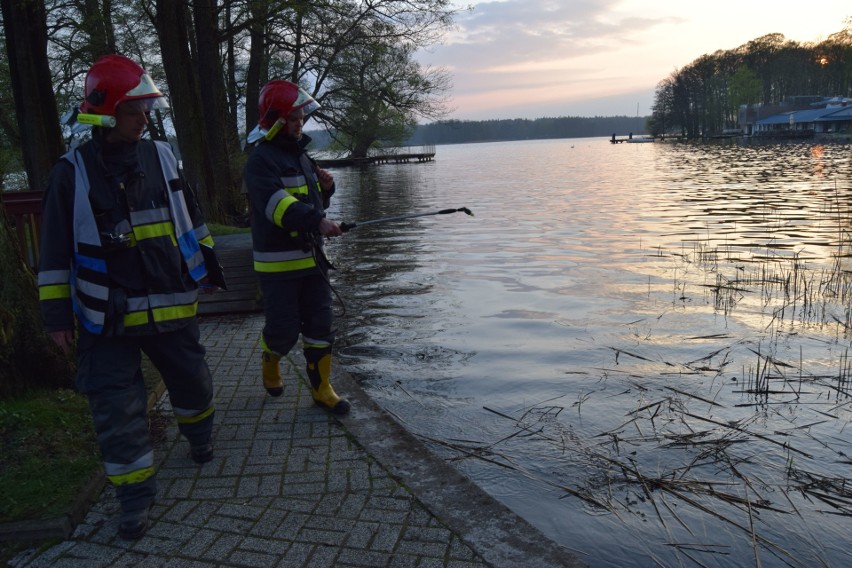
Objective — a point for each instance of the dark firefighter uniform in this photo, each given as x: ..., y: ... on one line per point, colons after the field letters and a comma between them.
x: 287, y: 204
x: 120, y: 251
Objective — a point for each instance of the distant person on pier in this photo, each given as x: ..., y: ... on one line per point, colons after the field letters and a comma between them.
x: 289, y: 194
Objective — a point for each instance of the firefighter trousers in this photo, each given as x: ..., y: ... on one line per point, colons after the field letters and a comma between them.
x: 109, y: 374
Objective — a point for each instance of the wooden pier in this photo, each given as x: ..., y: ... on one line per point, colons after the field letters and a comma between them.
x: 243, y: 293
x: 426, y: 155
x: 630, y: 139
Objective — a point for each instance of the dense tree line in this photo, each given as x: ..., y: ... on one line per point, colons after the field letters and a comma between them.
x: 210, y: 58
x: 704, y: 97
x: 462, y: 131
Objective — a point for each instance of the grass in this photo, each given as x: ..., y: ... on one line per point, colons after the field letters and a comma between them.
x: 217, y: 229
x: 48, y: 453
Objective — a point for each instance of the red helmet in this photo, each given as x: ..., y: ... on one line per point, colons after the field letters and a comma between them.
x: 279, y: 98
x: 114, y: 79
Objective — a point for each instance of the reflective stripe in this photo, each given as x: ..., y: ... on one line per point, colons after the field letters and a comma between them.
x: 277, y: 205
x: 85, y: 231
x: 93, y: 320
x: 167, y: 307
x: 137, y: 311
x: 54, y: 277
x: 287, y: 266
x: 146, y: 460
x: 184, y: 231
x: 156, y: 230
x: 54, y: 284
x: 148, y: 216
x: 283, y: 261
x: 90, y: 262
x: 281, y: 256
x: 202, y: 233
x: 85, y: 228
x: 137, y: 304
x: 136, y: 318
x: 173, y: 221
x: 91, y: 289
x: 54, y: 292
x: 174, y: 313
x: 315, y: 343
x: 166, y: 300
x: 195, y: 263
x: 295, y: 185
x: 137, y: 476
x: 191, y: 416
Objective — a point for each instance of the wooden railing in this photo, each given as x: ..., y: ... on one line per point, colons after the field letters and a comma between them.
x: 23, y: 209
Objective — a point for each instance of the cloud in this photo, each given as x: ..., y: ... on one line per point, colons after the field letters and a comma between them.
x: 521, y: 53
x: 529, y: 58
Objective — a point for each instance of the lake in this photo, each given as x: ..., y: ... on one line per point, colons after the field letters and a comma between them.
x: 643, y: 349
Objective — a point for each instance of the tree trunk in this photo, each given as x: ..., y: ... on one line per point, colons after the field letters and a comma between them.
x: 25, y: 25
x: 28, y: 357
x: 172, y: 26
x: 222, y: 172
x: 258, y: 72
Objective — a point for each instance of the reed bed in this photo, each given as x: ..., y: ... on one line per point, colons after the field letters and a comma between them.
x: 747, y: 450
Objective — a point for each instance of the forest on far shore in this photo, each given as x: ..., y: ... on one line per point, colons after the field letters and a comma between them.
x: 465, y: 131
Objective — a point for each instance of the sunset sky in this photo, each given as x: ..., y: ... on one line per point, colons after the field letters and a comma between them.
x: 535, y: 58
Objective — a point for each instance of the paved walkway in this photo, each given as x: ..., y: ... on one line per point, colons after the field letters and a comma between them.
x: 293, y: 486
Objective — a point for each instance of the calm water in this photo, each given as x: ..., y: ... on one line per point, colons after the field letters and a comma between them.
x: 640, y: 348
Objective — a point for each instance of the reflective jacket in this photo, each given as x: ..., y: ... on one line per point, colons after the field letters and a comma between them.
x: 120, y: 241
x: 287, y: 204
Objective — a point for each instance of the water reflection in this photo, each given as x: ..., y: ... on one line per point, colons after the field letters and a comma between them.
x: 643, y: 349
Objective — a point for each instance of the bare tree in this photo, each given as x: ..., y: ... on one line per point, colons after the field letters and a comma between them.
x: 321, y: 45
x: 28, y: 358
x: 26, y: 45
x: 376, y: 93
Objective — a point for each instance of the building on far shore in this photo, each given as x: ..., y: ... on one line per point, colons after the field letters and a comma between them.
x: 799, y: 117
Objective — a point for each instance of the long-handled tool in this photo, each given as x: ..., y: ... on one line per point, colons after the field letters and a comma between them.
x: 348, y: 226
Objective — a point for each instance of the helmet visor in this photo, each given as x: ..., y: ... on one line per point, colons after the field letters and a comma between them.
x: 305, y: 102
x: 146, y: 91
x: 146, y: 105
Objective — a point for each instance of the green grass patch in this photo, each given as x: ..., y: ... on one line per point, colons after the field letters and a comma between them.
x: 217, y: 229
x: 48, y: 450
x: 48, y: 453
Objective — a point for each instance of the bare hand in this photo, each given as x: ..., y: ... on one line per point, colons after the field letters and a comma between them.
x: 329, y: 228
x: 326, y: 180
x: 63, y: 338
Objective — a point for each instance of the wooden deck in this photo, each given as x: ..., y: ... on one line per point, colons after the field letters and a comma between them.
x: 397, y: 155
x: 384, y: 159
x: 243, y: 293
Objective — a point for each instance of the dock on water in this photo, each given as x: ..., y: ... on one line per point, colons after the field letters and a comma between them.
x: 630, y: 139
x: 426, y: 154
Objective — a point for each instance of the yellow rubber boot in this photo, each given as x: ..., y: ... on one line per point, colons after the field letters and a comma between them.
x: 271, y: 372
x: 319, y: 372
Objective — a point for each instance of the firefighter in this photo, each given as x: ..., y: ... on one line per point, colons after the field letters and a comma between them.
x: 289, y: 194
x: 120, y: 254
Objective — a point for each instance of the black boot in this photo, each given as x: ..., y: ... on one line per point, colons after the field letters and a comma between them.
x: 133, y: 524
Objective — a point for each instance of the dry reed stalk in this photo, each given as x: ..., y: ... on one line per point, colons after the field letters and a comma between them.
x: 753, y: 534
x: 756, y: 435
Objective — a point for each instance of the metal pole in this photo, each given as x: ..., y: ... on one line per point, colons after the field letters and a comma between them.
x: 349, y: 226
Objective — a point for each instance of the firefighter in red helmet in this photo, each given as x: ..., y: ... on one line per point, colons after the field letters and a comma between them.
x: 121, y: 255
x: 289, y: 194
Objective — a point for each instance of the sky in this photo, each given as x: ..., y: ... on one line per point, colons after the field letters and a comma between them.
x: 548, y: 58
